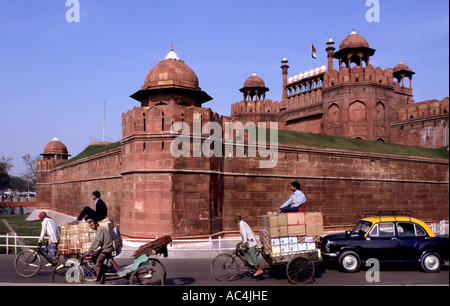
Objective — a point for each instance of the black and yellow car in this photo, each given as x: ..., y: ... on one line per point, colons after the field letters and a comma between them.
x: 386, y: 237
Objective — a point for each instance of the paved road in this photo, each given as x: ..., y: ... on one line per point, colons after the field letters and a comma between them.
x: 196, y: 272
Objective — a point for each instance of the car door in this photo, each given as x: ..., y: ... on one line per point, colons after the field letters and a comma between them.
x: 411, y: 237
x: 382, y: 242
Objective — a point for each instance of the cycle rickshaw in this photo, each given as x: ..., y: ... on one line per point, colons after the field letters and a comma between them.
x: 299, y: 266
x: 146, y: 269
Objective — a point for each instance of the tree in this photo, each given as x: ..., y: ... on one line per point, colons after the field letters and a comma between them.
x: 5, y: 166
x: 30, y: 174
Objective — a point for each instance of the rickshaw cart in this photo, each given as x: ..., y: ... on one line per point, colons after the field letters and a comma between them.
x: 299, y: 265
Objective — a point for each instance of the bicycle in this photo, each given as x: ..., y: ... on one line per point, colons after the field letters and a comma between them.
x: 300, y: 268
x: 28, y: 263
x: 143, y: 271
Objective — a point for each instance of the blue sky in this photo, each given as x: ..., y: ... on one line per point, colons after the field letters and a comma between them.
x: 55, y: 75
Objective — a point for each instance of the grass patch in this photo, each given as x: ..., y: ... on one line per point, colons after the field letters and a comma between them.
x: 22, y: 227
x: 91, y: 150
x: 342, y: 143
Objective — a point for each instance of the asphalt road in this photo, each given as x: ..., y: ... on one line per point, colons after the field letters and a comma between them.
x: 182, y: 272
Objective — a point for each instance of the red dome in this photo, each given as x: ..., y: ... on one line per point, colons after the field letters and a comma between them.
x: 171, y: 72
x: 354, y: 40
x: 254, y: 81
x: 400, y: 67
x: 55, y: 147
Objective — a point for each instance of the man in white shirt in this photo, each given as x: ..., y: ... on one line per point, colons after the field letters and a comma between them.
x: 248, y: 244
x: 295, y: 202
x: 50, y: 228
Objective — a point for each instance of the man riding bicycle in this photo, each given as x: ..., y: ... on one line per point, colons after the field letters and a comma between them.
x: 102, y: 246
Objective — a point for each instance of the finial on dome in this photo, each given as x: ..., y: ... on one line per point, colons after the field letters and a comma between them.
x: 171, y: 47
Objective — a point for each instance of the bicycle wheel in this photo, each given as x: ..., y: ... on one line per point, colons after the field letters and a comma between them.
x: 147, y: 274
x: 69, y: 272
x: 28, y: 263
x: 158, y: 266
x: 225, y: 267
x: 89, y: 272
x: 300, y: 270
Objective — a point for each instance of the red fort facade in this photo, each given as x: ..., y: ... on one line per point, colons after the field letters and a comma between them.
x: 152, y: 192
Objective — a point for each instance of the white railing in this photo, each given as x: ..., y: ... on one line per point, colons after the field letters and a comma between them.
x: 442, y: 228
x: 209, y: 245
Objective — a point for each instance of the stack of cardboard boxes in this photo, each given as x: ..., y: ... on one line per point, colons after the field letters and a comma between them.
x: 291, y: 233
x: 77, y: 239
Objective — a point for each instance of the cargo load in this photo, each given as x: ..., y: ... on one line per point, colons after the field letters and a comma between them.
x: 77, y: 238
x: 291, y: 233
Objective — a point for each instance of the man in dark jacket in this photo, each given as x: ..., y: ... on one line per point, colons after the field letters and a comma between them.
x: 98, y: 214
x: 101, y: 247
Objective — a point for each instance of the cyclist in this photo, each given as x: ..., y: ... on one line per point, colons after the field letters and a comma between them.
x: 102, y: 246
x: 50, y: 228
x: 248, y: 244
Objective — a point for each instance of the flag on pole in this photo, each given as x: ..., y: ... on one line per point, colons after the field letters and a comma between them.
x: 313, y: 52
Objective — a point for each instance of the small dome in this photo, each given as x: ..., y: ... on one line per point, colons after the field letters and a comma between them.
x: 311, y: 72
x: 354, y: 40
x: 323, y: 68
x: 171, y: 71
x: 401, y: 66
x: 290, y: 79
x: 300, y: 76
x: 305, y: 74
x: 317, y: 70
x: 254, y: 81
x: 56, y: 148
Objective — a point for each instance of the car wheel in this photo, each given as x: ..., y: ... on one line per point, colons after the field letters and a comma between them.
x: 431, y: 263
x: 349, y: 262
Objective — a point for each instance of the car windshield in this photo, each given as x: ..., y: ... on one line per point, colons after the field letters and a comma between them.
x: 362, y: 227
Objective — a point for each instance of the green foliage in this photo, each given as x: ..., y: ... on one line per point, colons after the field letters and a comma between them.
x: 342, y: 143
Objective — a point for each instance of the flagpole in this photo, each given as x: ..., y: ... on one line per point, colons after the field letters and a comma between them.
x: 311, y: 55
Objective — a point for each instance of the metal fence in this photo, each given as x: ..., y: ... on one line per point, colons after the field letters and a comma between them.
x: 207, y: 247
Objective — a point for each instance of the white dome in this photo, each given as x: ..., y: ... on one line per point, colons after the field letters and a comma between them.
x: 317, y: 70
x: 295, y: 78
x: 290, y: 80
x: 306, y: 74
x: 311, y: 72
x: 300, y: 76
x: 323, y: 68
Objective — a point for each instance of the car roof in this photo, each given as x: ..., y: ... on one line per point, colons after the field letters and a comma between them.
x: 378, y: 219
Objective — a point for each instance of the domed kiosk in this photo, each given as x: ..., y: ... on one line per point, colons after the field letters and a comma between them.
x: 56, y: 150
x: 171, y: 81
x: 354, y: 49
x: 254, y: 86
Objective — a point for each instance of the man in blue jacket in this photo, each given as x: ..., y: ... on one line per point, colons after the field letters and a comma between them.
x: 98, y: 214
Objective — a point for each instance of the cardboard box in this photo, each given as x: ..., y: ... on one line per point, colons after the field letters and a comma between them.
x: 297, y: 230
x: 276, y: 250
x: 270, y: 221
x: 75, y: 248
x: 85, y: 246
x: 314, y: 224
x: 280, y: 231
x: 63, y: 249
x: 296, y: 218
x: 84, y: 238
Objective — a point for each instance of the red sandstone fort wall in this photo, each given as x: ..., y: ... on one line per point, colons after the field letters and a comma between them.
x: 198, y: 197
x: 340, y: 184
x: 68, y: 188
